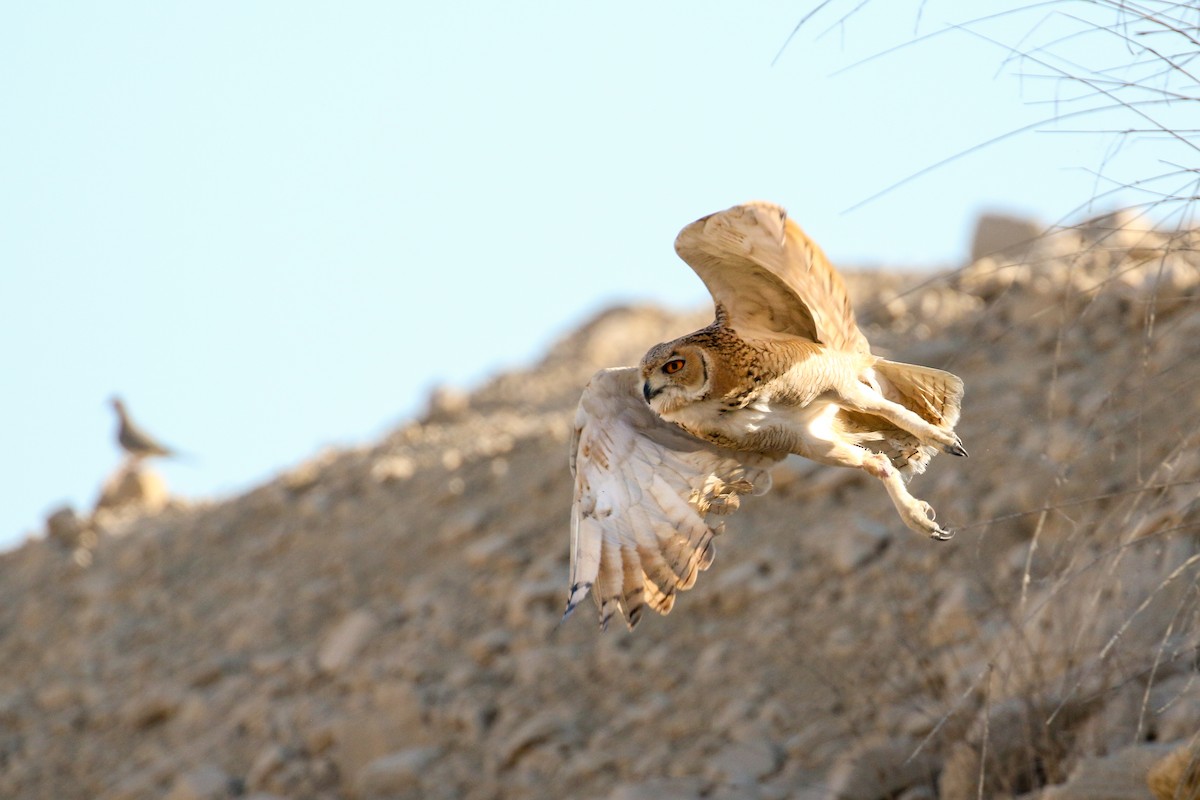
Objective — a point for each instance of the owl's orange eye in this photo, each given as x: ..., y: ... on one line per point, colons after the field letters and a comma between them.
x: 673, y: 366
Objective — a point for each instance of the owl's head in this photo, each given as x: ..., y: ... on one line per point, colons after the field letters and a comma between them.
x: 675, y: 374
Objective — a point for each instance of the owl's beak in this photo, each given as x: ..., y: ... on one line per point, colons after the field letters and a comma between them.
x: 646, y: 390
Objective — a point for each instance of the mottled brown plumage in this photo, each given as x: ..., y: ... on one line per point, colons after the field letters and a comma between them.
x: 782, y: 369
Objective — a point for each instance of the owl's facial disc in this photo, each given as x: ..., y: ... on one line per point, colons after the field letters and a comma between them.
x: 673, y: 375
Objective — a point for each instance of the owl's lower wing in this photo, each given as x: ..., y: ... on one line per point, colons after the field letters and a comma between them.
x: 645, y: 491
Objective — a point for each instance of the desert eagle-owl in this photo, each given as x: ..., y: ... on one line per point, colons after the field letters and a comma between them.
x: 661, y: 448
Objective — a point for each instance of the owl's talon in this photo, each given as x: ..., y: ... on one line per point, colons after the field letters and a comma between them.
x: 920, y: 519
x: 942, y: 534
x: 955, y: 448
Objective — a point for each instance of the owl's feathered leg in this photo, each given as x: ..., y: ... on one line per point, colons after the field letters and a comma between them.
x: 823, y: 444
x: 867, y: 399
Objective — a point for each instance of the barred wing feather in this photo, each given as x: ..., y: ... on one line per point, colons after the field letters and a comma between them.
x: 645, y: 495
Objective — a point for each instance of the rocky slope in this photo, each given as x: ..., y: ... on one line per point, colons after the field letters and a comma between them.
x: 383, y: 622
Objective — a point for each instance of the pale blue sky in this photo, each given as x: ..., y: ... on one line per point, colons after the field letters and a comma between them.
x: 274, y: 226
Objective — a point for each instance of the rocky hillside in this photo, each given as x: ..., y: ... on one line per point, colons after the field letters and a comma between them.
x: 383, y: 622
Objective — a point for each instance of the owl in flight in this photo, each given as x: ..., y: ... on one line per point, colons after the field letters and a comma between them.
x: 660, y: 449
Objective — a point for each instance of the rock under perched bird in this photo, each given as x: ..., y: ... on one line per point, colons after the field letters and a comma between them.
x: 661, y: 448
x: 133, y: 440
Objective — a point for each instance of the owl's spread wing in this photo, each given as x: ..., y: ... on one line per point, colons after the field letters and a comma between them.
x: 644, y: 494
x: 768, y: 277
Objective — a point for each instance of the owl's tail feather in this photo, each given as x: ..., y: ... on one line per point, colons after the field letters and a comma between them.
x: 932, y: 394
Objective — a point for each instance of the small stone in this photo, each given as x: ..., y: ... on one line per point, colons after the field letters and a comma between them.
x: 661, y: 789
x: 1120, y: 776
x: 1002, y: 234
x: 151, y: 707
x: 346, y: 640
x: 745, y: 762
x: 400, y: 701
x: 65, y: 527
x: 394, y: 774
x: 393, y: 468
x: 269, y: 663
x: 56, y: 697
x: 253, y: 715
x: 10, y: 709
x: 213, y: 669
x: 451, y: 460
x: 739, y: 791
x: 490, y: 550
x: 134, y: 488
x: 206, y: 782
x: 447, y: 404
x: 134, y: 787
x: 918, y: 793
x: 266, y: 764
x: 360, y: 738
x: 194, y: 712
x: 319, y: 738
x: 530, y: 734
x: 303, y: 477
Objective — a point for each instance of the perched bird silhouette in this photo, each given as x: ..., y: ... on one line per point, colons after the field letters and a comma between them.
x: 133, y: 439
x: 660, y: 449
